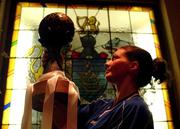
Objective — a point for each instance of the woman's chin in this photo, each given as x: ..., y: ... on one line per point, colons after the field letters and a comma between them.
x: 108, y: 78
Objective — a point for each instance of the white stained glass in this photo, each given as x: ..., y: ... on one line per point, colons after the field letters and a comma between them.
x: 31, y: 17
x: 119, y: 21
x: 124, y: 38
x: 154, y: 98
x: 52, y: 10
x: 101, y: 40
x: 76, y: 43
x: 140, y: 22
x: 74, y: 12
x: 158, y: 107
x: 36, y: 117
x: 145, y: 41
x: 26, y: 39
x: 17, y: 106
x: 160, y: 125
x: 14, y: 126
x: 20, y: 74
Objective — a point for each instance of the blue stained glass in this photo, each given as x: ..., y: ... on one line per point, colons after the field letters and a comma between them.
x: 88, y: 74
x: 7, y: 106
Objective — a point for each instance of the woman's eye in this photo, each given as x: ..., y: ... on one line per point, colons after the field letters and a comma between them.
x: 113, y: 58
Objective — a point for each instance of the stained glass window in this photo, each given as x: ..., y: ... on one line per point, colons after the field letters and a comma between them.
x: 98, y: 30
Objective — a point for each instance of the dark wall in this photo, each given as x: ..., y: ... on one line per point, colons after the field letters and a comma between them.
x: 173, y: 11
x: 171, y: 18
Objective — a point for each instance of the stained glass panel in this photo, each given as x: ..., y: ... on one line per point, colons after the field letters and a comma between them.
x: 51, y: 10
x: 140, y: 22
x: 119, y: 21
x: 145, y: 41
x: 27, y: 22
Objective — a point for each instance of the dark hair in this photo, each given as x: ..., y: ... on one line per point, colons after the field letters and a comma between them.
x: 147, y: 66
x: 56, y: 30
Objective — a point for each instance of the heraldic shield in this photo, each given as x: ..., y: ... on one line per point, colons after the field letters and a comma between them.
x: 88, y: 75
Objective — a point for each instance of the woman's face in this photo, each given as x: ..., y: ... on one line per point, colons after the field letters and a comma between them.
x: 118, y: 67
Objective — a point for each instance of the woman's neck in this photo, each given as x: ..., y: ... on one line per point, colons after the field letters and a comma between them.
x: 125, y: 90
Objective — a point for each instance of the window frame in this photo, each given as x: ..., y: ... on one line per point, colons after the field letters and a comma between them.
x: 10, y: 15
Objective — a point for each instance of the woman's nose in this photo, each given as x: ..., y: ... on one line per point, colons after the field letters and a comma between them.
x: 107, y: 63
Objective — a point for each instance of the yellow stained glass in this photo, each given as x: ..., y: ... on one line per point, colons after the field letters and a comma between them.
x: 157, y: 45
x: 10, y: 78
x: 17, y: 17
x: 167, y: 105
x: 7, y: 103
x: 12, y: 59
x: 152, y: 20
x: 34, y: 4
x: 5, y: 126
x: 51, y: 5
x: 23, y: 4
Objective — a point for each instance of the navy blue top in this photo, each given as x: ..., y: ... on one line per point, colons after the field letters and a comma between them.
x: 127, y: 114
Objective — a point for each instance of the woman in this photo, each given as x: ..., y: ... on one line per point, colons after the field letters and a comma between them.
x: 129, y: 69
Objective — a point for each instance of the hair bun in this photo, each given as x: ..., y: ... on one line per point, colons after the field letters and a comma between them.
x: 56, y: 30
x: 160, y: 70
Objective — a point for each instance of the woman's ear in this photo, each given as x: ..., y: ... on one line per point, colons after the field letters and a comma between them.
x: 134, y: 65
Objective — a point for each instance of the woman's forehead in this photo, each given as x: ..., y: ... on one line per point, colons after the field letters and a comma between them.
x: 119, y: 52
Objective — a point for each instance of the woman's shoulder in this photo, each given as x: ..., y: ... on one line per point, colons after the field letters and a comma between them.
x: 136, y: 100
x: 137, y: 103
